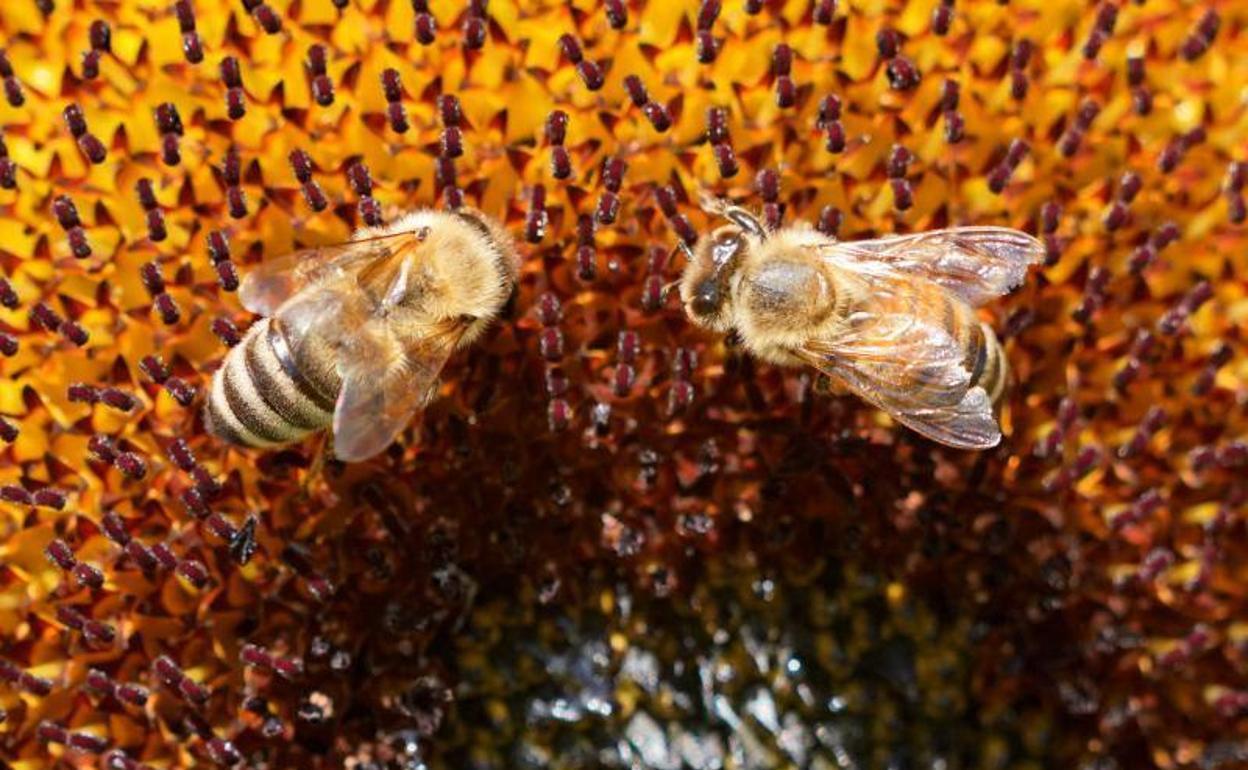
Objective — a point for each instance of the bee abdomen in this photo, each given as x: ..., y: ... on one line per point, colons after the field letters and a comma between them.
x: 257, y: 401
x: 994, y: 371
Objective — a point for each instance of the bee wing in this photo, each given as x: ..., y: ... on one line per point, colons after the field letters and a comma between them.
x: 895, y: 353
x: 975, y: 263
x: 268, y: 285
x: 385, y: 385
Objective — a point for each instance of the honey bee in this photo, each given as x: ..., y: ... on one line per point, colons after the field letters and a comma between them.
x: 891, y: 320
x: 355, y: 335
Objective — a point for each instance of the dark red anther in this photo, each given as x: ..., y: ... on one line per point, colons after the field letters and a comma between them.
x: 154, y: 368
x: 1106, y: 17
x: 617, y: 13
x: 185, y: 14
x: 636, y: 90
x: 899, y: 159
x: 88, y: 575
x: 657, y: 115
x: 180, y: 390
x: 767, y: 183
x: 627, y: 346
x: 550, y: 343
x: 1236, y: 176
x: 1129, y: 186
x: 106, y: 451
x: 444, y: 172
x: 13, y: 92
x: 474, y: 32
x: 571, y: 48
x: 834, y: 140
x: 223, y: 752
x: 830, y: 219
x: 391, y: 85
x: 192, y: 47
x: 236, y: 198
x: 623, y: 379
x: 88, y: 742
x: 167, y: 119
x: 786, y: 92
x: 1115, y: 216
x: 726, y: 159
x: 267, y: 18
x: 707, y: 47
x: 396, y: 115
x: 101, y: 36
x: 153, y: 280
x: 194, y: 573
x: 1207, y: 27
x: 887, y: 42
x: 556, y: 127
x: 1089, y: 108
x: 74, y: 120
x: 92, y: 148
x: 8, y: 174
x: 451, y: 142
x: 231, y: 72
x: 79, y: 246
x: 665, y: 198
x: 193, y: 501
x: 219, y: 526
x: 8, y: 296
x: 613, y: 169
x: 360, y: 179
x: 708, y: 12
x: 164, y: 556
x: 782, y: 60
x: 1165, y: 235
x: 318, y: 60
x: 829, y: 111
x: 556, y: 381
x: 942, y: 19
x: 227, y: 273
x: 167, y: 308
x: 147, y: 194
x: 591, y: 74
x: 118, y: 399
x: 45, y: 317
x: 559, y: 414
x: 301, y: 164
x: 717, y: 125
x: 170, y: 154
x: 140, y: 555
x: 684, y: 229
x: 950, y: 92
x: 131, y: 694
x: 1236, y: 208
x: 1050, y: 216
x: 549, y: 309
x: 608, y: 208
x: 1018, y: 85
x: 82, y: 393
x: 1020, y: 56
x: 1014, y: 155
x: 1135, y: 70
x: 323, y: 90
x: 60, y: 554
x: 51, y: 732
x: 1141, y: 258
x: 586, y: 265
x: 90, y: 65
x: 453, y: 197
x: 1141, y: 101
x: 370, y: 210
x: 65, y: 211
x: 73, y: 331
x: 902, y: 73
x: 772, y: 215
x: 8, y: 344
x: 426, y: 28
x: 955, y: 128
x: 169, y: 673
x: 131, y: 465
x: 180, y: 452
x: 1092, y: 46
x: 11, y: 493
x: 999, y: 177
x: 560, y: 162
x: 535, y: 223
x: 1069, y: 142
x: 903, y: 194
x: 50, y: 497
x: 823, y: 12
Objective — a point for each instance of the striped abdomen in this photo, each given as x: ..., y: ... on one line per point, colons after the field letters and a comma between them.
x: 984, y: 358
x: 260, y: 396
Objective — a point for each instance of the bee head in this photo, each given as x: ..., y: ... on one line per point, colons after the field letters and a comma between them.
x: 707, y: 284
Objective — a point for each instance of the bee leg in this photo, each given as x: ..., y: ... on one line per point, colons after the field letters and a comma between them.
x: 746, y: 221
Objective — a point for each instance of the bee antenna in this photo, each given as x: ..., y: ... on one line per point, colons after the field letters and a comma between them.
x: 683, y: 248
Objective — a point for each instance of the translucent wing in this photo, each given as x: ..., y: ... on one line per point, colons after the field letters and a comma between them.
x: 975, y: 263
x: 386, y: 383
x: 268, y: 285
x: 896, y: 352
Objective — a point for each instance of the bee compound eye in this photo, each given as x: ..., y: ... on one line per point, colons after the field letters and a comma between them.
x: 705, y: 298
